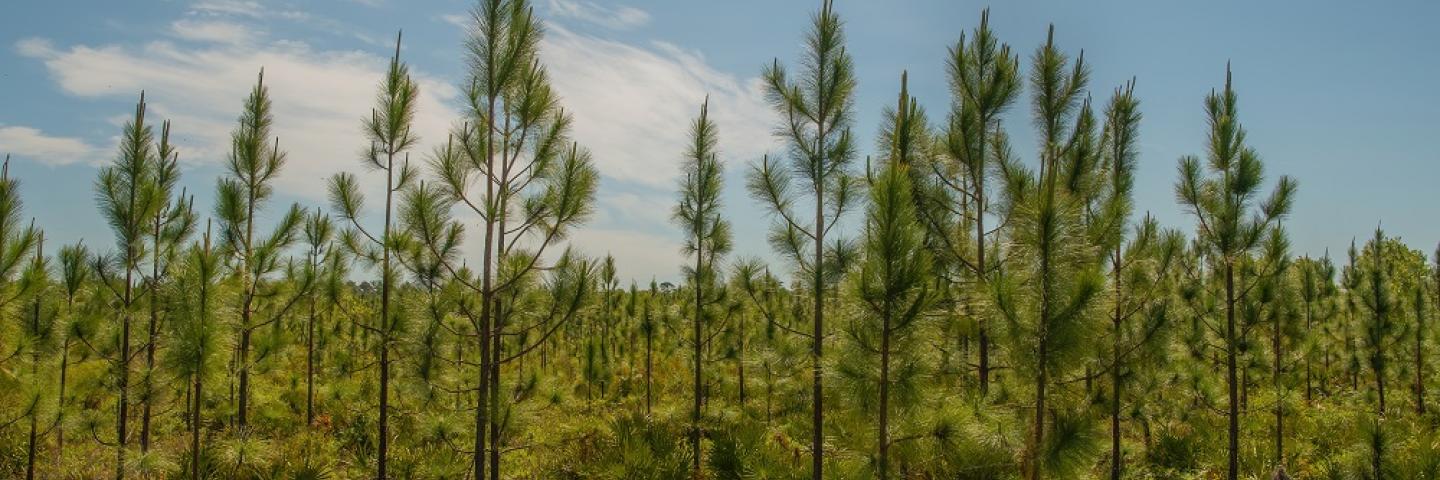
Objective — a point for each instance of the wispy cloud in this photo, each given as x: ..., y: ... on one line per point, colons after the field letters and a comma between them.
x: 320, y: 97
x: 619, y: 17
x: 36, y: 146
x: 244, y: 8
x: 211, y: 31
x: 631, y: 104
x: 457, y: 19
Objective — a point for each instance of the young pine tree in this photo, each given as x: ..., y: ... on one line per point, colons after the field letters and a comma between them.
x: 1316, y: 287
x: 171, y: 221
x: 984, y: 83
x: 513, y: 165
x: 707, y: 238
x: 1376, y: 292
x: 195, y: 292
x: 319, y: 251
x: 38, y: 333
x: 893, y: 282
x: 1139, y: 263
x: 1232, y: 223
x: 123, y: 192
x: 1054, y: 278
x: 74, y: 279
x: 389, y: 132
x: 241, y: 193
x: 815, y: 110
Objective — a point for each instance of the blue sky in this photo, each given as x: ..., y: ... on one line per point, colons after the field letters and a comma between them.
x: 1340, y: 95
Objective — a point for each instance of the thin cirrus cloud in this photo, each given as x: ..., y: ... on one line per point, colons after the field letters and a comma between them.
x: 617, y: 18
x: 211, y: 31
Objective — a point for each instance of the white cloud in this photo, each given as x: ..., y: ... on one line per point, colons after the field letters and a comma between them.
x: 619, y: 18
x: 34, y: 47
x: 633, y: 105
x: 320, y: 97
x: 211, y: 31
x: 457, y: 19
x: 33, y: 144
x: 243, y: 8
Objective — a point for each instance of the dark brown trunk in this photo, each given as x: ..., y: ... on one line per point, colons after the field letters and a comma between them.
x: 152, y: 334
x: 1233, y: 454
x: 699, y: 350
x: 884, y: 432
x: 1278, y: 347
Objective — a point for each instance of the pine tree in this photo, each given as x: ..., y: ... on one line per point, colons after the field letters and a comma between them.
x: 1317, y: 290
x: 19, y: 280
x: 170, y: 223
x: 319, y: 253
x: 815, y: 110
x: 389, y: 131
x: 196, y: 292
x: 707, y: 237
x: 512, y: 164
x: 1376, y: 292
x: 893, y: 279
x: 1139, y: 263
x: 984, y: 82
x: 1272, y: 304
x: 1420, y: 311
x: 74, y: 278
x: 1228, y: 230
x: 123, y: 192
x: 241, y: 193
x: 38, y: 334
x: 1053, y: 280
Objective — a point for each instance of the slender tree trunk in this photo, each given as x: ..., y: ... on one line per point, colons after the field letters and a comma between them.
x: 884, y: 431
x: 152, y: 335
x: 1380, y: 389
x: 500, y: 314
x: 60, y: 399
x: 699, y: 317
x: 486, y: 295
x: 1117, y: 463
x: 34, y: 374
x: 244, y: 371
x: 384, y: 437
x: 1309, y: 389
x: 197, y: 402
x: 1278, y: 347
x: 817, y: 438
x: 30, y: 449
x: 121, y: 432
x: 1233, y: 470
x: 980, y: 272
x: 198, y: 399
x: 310, y: 351
x: 649, y: 365
x: 740, y: 365
x: 1419, y: 363
x: 699, y: 401
x: 1037, y: 439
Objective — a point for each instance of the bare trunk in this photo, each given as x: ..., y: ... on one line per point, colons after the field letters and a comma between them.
x: 1233, y: 470
x: 884, y: 431
x: 699, y: 348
